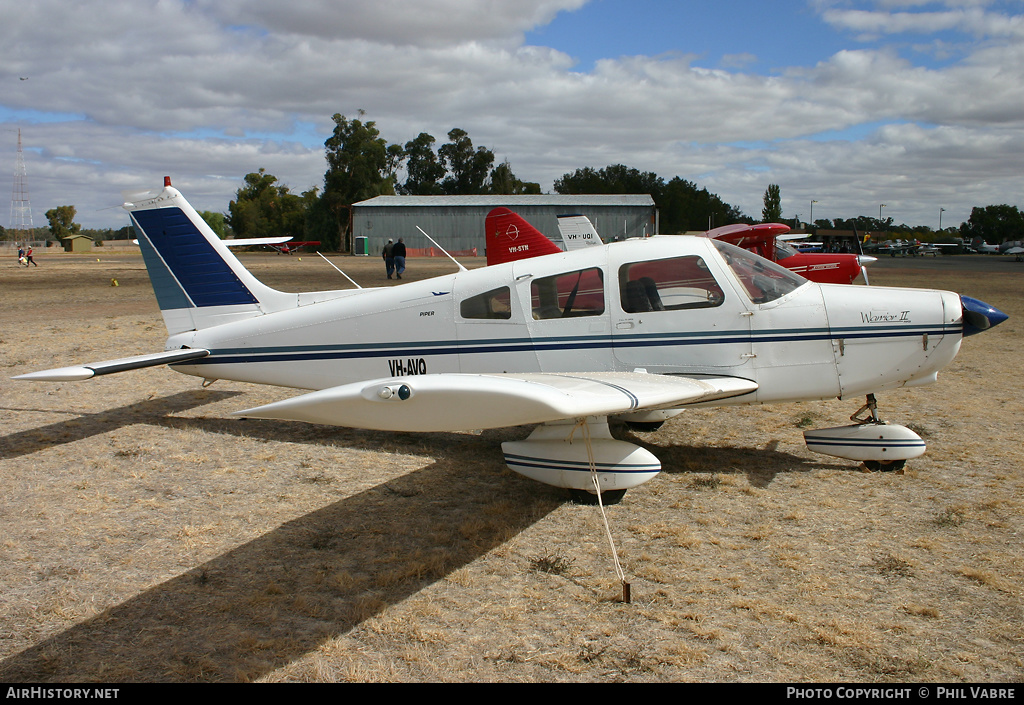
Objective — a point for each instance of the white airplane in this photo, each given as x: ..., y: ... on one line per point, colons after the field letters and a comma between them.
x: 636, y: 330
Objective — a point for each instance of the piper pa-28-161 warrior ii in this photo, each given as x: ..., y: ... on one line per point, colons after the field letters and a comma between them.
x: 635, y: 330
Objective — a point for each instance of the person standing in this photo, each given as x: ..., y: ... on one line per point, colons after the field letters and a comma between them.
x: 399, y: 254
x: 389, y: 258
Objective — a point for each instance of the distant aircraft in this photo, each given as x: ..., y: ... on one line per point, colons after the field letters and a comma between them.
x: 763, y: 239
x: 637, y: 330
x: 289, y: 247
x: 899, y: 247
x: 1018, y: 252
x: 823, y: 267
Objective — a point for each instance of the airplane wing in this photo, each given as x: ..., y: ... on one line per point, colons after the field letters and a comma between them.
x: 459, y: 402
x: 747, y: 236
x: 246, y: 242
x: 107, y: 367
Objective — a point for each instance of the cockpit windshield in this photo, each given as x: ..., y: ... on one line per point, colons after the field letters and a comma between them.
x: 764, y: 281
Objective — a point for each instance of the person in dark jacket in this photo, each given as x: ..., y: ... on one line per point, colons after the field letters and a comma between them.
x: 389, y: 257
x: 399, y: 253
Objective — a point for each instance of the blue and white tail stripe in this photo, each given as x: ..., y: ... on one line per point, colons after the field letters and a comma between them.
x: 191, y: 271
x: 198, y: 282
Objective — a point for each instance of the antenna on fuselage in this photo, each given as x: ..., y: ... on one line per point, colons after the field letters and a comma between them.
x: 442, y: 249
x: 340, y: 272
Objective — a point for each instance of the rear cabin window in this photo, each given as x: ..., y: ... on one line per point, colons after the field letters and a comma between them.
x: 569, y: 295
x: 668, y: 285
x: 495, y: 304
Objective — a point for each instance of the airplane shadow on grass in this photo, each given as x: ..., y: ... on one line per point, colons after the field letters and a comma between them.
x: 270, y: 601
x: 275, y: 599
x: 84, y: 426
x: 760, y: 465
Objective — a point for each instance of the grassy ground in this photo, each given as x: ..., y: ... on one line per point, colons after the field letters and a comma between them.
x: 147, y: 536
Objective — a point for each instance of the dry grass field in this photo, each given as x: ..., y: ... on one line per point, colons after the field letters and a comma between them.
x: 145, y: 535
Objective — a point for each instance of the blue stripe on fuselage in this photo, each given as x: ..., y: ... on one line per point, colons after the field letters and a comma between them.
x: 300, y: 353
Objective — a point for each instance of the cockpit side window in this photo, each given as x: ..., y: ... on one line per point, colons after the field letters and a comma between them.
x: 763, y: 281
x: 495, y: 304
x: 668, y: 285
x: 784, y: 250
x: 569, y: 295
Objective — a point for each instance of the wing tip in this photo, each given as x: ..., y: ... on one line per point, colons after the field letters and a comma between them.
x: 61, y: 374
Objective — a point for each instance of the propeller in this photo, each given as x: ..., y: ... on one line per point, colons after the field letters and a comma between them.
x: 862, y: 259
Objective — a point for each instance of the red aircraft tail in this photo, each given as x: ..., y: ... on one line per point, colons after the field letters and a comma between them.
x: 510, y: 238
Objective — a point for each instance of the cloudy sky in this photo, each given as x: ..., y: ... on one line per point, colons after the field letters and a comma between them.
x: 851, y: 103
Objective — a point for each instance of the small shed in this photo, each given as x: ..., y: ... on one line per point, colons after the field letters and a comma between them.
x: 457, y: 222
x: 77, y: 243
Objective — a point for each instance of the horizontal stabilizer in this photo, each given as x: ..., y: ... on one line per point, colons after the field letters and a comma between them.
x: 249, y: 241
x: 107, y: 367
x: 459, y: 402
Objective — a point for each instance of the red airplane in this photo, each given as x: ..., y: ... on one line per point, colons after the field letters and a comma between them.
x: 290, y: 247
x: 510, y: 238
x: 822, y: 267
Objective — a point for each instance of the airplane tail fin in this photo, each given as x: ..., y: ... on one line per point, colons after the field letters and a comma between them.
x: 511, y: 238
x: 577, y: 232
x: 198, y: 282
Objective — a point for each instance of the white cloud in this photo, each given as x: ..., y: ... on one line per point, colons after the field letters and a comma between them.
x: 208, y: 91
x: 429, y: 23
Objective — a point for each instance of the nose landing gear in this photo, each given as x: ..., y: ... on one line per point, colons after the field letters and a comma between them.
x: 880, y: 446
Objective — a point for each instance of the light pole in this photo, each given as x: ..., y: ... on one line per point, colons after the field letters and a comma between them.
x: 941, y: 211
x: 812, y: 212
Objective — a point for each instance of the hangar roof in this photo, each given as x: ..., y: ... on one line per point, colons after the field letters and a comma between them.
x: 633, y: 200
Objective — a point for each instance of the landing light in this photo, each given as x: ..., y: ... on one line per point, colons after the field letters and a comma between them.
x: 403, y: 392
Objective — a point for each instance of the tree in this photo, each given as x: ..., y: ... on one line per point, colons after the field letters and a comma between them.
x: 218, y: 223
x: 360, y: 165
x: 264, y: 209
x: 467, y: 168
x: 423, y: 167
x: 62, y: 223
x: 772, y: 212
x: 613, y: 179
x: 993, y: 224
x: 684, y: 207
x: 503, y: 182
